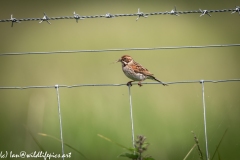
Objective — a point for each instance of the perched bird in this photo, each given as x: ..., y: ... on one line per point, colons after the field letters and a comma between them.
x: 135, y: 71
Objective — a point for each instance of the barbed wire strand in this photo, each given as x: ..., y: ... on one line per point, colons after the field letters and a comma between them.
x: 205, y: 119
x: 115, y: 85
x: 123, y: 49
x: 60, y: 118
x: 131, y: 114
x: 108, y: 15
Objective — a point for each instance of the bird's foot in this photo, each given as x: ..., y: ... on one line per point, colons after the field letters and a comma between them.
x: 140, y: 84
x: 130, y: 83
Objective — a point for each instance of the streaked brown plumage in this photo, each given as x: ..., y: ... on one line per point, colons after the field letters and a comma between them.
x: 135, y: 71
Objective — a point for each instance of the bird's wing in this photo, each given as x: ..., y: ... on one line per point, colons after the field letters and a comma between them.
x: 138, y: 68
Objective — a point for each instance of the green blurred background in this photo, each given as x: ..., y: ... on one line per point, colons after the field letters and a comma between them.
x: 165, y: 115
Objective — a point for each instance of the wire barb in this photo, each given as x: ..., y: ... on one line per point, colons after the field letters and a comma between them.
x: 140, y: 14
x: 174, y: 11
x: 108, y: 15
x: 236, y: 10
x: 204, y: 12
x: 77, y: 16
x: 14, y: 20
x: 45, y: 18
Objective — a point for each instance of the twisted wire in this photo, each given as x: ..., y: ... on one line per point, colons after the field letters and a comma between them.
x: 76, y: 16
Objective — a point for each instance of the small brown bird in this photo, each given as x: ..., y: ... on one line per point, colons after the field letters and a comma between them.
x: 135, y: 71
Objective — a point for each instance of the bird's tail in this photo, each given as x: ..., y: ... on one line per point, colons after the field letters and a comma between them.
x: 152, y: 77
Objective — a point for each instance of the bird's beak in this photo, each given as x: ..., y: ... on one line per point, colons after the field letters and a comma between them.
x: 118, y: 60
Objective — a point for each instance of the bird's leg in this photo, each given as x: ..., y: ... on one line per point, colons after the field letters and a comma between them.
x: 130, y: 83
x: 140, y: 84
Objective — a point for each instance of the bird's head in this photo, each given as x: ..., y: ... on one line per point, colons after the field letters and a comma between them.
x: 125, y: 59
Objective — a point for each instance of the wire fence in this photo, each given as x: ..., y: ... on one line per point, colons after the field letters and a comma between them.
x: 57, y: 86
x: 108, y: 15
x: 139, y: 14
x: 130, y: 100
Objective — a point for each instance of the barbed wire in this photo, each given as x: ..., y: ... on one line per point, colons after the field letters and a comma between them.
x: 108, y: 15
x: 122, y: 84
x: 123, y: 49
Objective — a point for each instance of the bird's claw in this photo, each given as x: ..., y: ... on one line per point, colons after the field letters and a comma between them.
x: 139, y: 83
x: 129, y: 84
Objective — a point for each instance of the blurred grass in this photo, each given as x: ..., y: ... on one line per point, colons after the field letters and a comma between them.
x: 165, y: 115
